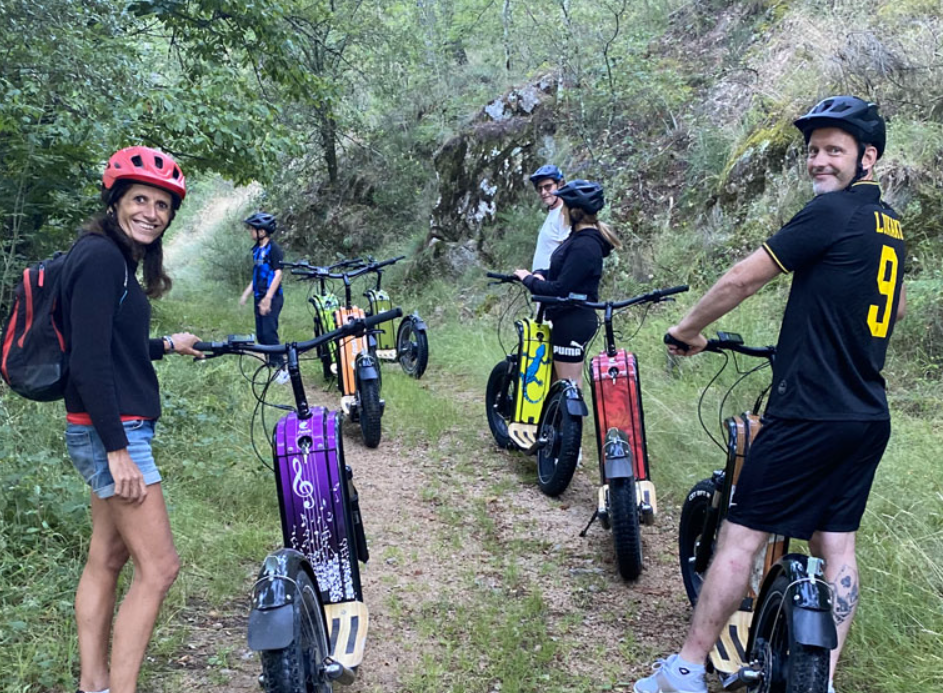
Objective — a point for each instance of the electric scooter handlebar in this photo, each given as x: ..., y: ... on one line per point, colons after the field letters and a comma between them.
x: 245, y: 344
x: 731, y: 341
x: 726, y: 341
x: 581, y: 300
x: 502, y: 278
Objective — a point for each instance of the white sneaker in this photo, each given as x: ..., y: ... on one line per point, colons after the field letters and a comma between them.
x: 673, y: 677
x: 281, y: 376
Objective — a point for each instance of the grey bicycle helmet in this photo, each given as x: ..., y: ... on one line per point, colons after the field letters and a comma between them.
x: 858, y: 118
x: 582, y: 194
x: 547, y: 171
x: 262, y: 220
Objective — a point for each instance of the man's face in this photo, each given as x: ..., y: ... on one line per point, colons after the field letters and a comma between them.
x: 832, y: 159
x: 545, y: 188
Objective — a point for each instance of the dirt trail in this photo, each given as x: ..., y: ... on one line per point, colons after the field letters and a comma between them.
x: 606, y: 622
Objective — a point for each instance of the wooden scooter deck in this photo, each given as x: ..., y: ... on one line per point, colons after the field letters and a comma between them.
x: 524, y: 435
x: 729, y: 653
x: 347, y: 624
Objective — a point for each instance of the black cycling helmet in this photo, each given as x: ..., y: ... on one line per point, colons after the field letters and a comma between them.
x: 547, y: 171
x: 858, y: 118
x: 582, y: 194
x: 262, y: 220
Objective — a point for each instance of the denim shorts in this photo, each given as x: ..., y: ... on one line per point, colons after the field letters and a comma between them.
x: 90, y: 459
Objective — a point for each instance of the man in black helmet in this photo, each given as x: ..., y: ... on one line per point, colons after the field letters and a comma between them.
x: 266, y: 284
x: 809, y: 471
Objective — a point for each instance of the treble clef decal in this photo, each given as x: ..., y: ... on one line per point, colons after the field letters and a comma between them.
x: 302, y: 487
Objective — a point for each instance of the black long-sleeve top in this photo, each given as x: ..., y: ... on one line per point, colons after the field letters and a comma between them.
x: 575, y: 266
x: 108, y: 340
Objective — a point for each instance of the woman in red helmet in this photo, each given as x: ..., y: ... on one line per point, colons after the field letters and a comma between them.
x: 112, y: 404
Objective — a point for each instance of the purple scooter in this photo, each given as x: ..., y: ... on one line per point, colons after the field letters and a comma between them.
x: 308, y: 620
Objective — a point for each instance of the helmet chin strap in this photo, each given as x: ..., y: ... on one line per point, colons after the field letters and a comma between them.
x: 860, y: 171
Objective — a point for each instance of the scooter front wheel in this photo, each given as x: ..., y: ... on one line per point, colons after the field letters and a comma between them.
x: 561, y: 434
x: 370, y: 412
x: 299, y: 668
x: 626, y: 535
x: 788, y: 666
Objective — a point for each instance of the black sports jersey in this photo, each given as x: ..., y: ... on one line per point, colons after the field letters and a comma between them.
x: 847, y: 253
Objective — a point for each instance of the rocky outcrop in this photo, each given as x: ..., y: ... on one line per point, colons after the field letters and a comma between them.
x: 484, y: 169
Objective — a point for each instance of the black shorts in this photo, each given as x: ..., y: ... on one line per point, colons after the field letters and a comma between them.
x: 572, y: 329
x: 806, y: 476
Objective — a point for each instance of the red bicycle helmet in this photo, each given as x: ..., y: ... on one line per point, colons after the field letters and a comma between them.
x: 145, y: 165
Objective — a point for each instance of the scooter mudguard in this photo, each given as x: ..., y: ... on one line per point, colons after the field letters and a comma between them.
x: 379, y: 302
x: 536, y: 370
x: 313, y: 499
x: 347, y: 351
x: 574, y: 398
x: 808, y: 605
x: 367, y: 367
x: 271, y: 622
x: 418, y: 323
x: 617, y: 396
x: 618, y: 455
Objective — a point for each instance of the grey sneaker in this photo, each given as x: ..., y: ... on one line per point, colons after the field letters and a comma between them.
x: 281, y: 376
x: 670, y: 677
x: 831, y: 688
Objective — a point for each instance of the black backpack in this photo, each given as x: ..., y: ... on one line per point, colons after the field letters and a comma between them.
x: 33, y: 351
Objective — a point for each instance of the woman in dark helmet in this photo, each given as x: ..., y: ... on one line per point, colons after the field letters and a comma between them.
x: 575, y: 267
x: 112, y: 404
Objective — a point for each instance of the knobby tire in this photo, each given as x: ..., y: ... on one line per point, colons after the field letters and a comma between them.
x: 794, y: 668
x: 556, y: 461
x: 694, y: 513
x: 298, y: 667
x: 626, y: 534
x: 499, y: 402
x: 370, y: 413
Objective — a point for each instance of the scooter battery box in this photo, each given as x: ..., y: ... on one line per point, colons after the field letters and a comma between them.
x: 617, y: 396
x: 312, y: 492
x: 347, y: 350
x: 535, y: 370
x: 379, y: 303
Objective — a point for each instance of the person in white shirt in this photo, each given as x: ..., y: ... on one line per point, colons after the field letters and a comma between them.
x: 547, y: 180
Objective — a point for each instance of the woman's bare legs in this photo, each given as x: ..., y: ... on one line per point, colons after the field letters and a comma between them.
x: 571, y: 371
x: 95, y: 597
x: 144, y: 532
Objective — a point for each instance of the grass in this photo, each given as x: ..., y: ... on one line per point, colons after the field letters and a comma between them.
x: 493, y: 625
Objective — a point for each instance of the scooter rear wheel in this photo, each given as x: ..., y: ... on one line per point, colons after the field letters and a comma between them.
x: 298, y: 668
x: 623, y: 516
x: 788, y: 666
x: 412, y: 348
x: 694, y: 514
x: 557, y: 458
x: 499, y: 402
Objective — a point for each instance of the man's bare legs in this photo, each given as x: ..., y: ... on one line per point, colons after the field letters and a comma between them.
x: 723, y: 590
x: 841, y: 571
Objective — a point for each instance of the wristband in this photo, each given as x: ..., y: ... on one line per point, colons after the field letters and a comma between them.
x: 170, y: 343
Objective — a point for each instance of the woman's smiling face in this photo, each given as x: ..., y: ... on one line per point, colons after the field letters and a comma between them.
x: 144, y: 212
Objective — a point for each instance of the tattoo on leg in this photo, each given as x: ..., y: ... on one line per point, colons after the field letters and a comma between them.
x: 845, y: 589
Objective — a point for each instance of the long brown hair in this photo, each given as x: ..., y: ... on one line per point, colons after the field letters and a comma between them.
x: 575, y: 215
x: 156, y: 281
